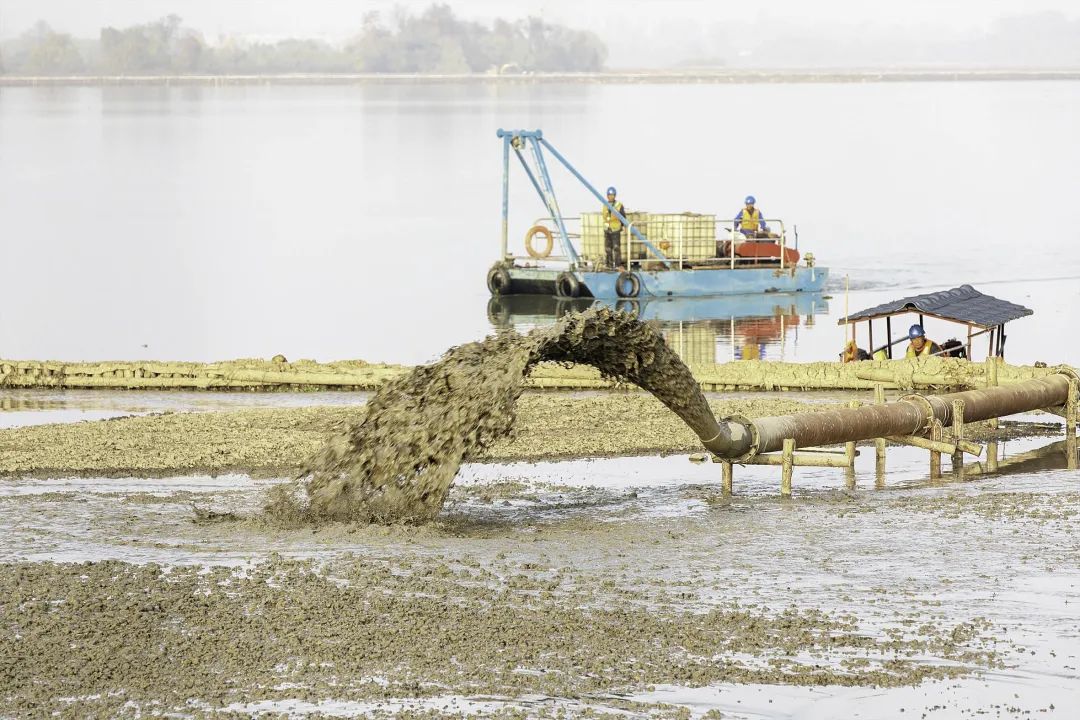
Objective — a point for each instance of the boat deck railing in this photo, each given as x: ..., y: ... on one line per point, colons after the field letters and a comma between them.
x: 731, y: 259
x: 679, y: 259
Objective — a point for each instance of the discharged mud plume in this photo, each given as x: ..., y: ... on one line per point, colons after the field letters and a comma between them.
x: 397, y: 464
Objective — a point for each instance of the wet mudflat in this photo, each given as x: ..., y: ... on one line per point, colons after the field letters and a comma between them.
x: 277, y: 441
x: 619, y: 585
x: 27, y: 407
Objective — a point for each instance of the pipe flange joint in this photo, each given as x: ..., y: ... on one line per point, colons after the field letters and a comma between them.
x: 1070, y: 373
x: 926, y: 406
x: 1067, y: 372
x: 755, y: 436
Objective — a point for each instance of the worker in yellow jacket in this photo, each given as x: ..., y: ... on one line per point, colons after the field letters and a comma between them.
x: 920, y: 345
x: 613, y: 231
x: 750, y: 222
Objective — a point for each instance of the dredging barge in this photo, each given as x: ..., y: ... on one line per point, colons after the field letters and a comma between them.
x: 665, y: 255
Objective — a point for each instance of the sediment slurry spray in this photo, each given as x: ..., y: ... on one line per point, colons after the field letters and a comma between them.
x: 397, y: 464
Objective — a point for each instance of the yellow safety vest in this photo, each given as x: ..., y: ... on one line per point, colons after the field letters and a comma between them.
x: 611, y: 219
x: 750, y: 220
x: 927, y: 349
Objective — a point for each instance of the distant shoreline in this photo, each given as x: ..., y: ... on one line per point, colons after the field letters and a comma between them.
x: 627, y: 77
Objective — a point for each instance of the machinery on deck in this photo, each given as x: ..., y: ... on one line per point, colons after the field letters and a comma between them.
x: 664, y: 255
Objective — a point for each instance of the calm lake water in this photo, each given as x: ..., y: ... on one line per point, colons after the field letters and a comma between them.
x: 203, y: 223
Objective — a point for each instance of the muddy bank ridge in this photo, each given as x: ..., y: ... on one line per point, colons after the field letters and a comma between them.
x: 268, y: 375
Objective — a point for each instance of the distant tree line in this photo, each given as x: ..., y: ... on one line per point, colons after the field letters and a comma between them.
x: 435, y: 41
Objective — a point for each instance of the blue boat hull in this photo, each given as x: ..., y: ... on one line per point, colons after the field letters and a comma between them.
x: 712, y: 281
x: 698, y: 282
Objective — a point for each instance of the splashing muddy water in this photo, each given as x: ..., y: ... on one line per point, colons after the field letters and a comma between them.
x: 397, y: 464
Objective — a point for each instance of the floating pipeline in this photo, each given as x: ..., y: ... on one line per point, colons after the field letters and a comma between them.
x: 397, y: 464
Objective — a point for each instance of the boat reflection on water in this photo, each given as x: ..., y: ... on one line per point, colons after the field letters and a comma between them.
x: 701, y: 330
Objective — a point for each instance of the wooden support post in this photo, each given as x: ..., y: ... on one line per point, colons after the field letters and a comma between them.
x: 799, y: 459
x: 785, y: 471
x: 879, y: 443
x: 1070, y: 424
x: 992, y: 456
x: 945, y: 446
x: 958, y: 434
x: 727, y: 471
x: 992, y: 381
x: 849, y: 453
x: 935, y: 455
x: 1071, y: 409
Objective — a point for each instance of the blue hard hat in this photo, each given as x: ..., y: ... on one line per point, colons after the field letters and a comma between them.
x: 915, y: 331
x: 611, y: 190
x: 750, y: 200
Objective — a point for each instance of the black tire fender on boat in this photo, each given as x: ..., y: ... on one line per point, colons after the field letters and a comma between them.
x: 566, y: 285
x: 627, y: 285
x: 498, y: 280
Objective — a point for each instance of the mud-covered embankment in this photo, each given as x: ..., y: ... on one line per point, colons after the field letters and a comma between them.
x: 266, y: 375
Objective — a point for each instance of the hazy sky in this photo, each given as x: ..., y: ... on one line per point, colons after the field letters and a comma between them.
x: 652, y: 30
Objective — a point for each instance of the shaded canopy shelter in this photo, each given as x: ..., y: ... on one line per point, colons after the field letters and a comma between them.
x: 982, y: 314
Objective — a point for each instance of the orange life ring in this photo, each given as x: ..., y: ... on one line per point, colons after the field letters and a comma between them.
x: 549, y: 242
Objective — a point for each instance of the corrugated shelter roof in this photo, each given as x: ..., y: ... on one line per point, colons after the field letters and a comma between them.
x: 963, y: 304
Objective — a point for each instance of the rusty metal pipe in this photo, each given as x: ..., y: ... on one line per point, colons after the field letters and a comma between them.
x: 838, y: 426
x: 911, y: 415
x: 987, y: 403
